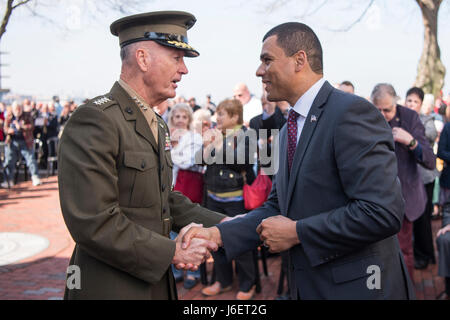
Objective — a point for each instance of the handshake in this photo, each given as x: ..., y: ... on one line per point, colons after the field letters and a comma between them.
x: 194, y: 243
x: 190, y: 254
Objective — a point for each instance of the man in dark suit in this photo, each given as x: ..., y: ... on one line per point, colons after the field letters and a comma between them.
x: 411, y: 148
x: 336, y: 202
x: 270, y: 118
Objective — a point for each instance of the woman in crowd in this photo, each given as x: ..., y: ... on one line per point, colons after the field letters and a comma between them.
x: 202, y: 121
x: 224, y: 180
x: 187, y: 175
x: 422, y: 234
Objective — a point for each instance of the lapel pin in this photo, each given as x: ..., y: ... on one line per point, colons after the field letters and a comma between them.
x: 313, y: 118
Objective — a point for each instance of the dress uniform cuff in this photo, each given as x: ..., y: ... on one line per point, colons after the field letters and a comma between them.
x: 154, y: 257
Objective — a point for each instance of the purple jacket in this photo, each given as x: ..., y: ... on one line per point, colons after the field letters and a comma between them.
x: 407, y: 161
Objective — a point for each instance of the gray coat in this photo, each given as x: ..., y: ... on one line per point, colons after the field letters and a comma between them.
x: 428, y: 176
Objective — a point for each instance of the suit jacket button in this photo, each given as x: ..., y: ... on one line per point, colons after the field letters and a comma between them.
x: 143, y: 164
x: 128, y: 110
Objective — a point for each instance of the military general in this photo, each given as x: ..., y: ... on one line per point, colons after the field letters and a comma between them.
x: 115, y: 171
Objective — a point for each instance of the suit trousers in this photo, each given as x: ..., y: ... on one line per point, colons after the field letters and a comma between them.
x: 406, y: 246
x: 245, y: 267
x: 422, y: 234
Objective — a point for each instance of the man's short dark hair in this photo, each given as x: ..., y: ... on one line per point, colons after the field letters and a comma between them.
x: 417, y: 91
x: 348, y: 83
x: 295, y: 36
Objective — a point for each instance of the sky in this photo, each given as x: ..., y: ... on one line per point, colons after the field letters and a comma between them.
x: 77, y: 56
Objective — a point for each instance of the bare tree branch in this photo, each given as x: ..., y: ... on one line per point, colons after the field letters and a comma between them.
x: 314, y: 11
x: 5, y: 20
x: 277, y: 4
x: 20, y: 3
x: 358, y: 20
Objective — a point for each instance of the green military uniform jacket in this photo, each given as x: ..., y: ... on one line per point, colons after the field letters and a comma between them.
x: 117, y: 201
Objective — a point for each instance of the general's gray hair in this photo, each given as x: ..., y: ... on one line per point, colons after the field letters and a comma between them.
x: 127, y: 52
x: 381, y: 90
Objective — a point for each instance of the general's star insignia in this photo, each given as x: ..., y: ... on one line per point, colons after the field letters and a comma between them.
x: 101, y: 101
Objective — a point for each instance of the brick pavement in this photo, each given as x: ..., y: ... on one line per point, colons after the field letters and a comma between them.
x: 36, y: 210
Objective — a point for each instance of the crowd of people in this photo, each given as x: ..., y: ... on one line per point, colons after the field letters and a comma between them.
x: 416, y: 121
x: 25, y: 129
x: 420, y: 126
x: 354, y: 189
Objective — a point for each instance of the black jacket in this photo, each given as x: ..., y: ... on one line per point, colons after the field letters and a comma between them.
x: 227, y: 176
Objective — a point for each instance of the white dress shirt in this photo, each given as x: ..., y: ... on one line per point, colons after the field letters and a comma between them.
x: 252, y: 109
x: 304, y: 103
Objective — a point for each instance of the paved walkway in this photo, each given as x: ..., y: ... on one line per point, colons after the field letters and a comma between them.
x: 27, y: 211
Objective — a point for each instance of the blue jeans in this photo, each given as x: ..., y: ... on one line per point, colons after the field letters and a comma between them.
x: 179, y: 273
x: 12, y: 152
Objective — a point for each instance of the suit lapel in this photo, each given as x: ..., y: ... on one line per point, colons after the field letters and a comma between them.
x: 283, y: 174
x: 311, y: 121
x: 132, y: 112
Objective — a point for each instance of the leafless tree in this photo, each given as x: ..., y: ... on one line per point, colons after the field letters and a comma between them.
x: 430, y: 71
x: 37, y: 8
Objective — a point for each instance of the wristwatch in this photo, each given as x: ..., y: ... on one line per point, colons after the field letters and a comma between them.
x: 412, y: 143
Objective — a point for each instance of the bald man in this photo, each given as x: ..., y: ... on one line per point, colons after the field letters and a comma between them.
x: 252, y: 105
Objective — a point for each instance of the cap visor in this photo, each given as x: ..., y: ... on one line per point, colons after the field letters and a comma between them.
x: 188, y: 50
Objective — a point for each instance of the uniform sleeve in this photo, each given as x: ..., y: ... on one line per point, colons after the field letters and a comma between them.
x: 365, y: 158
x: 88, y: 192
x: 183, y: 212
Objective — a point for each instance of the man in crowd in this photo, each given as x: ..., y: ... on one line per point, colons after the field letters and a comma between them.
x: 19, y: 141
x: 271, y: 119
x: 347, y: 86
x: 193, y: 104
x: 58, y: 106
x: 411, y: 148
x: 209, y: 105
x: 115, y: 171
x: 252, y: 105
x: 336, y: 202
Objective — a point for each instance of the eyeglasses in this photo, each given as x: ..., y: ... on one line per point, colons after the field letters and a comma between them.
x: 387, y: 110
